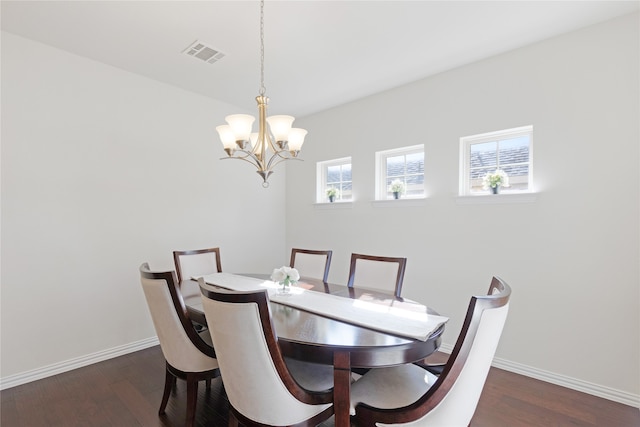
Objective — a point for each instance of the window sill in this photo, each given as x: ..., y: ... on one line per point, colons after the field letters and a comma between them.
x: 421, y: 201
x: 497, y: 199
x: 335, y: 205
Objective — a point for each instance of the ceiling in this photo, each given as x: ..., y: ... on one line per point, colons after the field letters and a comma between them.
x: 318, y: 54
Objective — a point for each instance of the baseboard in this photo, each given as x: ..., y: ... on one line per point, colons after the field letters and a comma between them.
x: 550, y: 377
x: 79, y: 362
x: 562, y: 380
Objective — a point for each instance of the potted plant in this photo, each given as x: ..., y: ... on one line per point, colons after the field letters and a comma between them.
x: 495, y: 180
x: 285, y: 276
x: 332, y: 192
x: 397, y: 188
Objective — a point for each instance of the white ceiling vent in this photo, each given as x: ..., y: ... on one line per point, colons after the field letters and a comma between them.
x: 203, y: 52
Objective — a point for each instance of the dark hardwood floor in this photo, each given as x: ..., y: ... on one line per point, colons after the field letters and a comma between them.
x: 126, y: 391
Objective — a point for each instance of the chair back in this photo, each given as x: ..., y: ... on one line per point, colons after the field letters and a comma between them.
x: 181, y: 346
x: 256, y: 379
x: 196, y: 263
x: 377, y: 272
x: 311, y: 263
x: 464, y: 376
x: 453, y: 398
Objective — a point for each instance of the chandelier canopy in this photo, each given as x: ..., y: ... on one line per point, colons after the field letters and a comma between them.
x: 269, y: 146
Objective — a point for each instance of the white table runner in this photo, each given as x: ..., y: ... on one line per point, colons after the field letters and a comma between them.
x: 382, y: 317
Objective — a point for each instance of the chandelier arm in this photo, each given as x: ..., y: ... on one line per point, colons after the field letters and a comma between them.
x: 277, y: 160
x: 272, y: 145
x: 249, y: 158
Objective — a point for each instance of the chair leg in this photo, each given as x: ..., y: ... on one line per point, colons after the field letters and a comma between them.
x: 233, y: 421
x: 192, y: 397
x: 169, y: 381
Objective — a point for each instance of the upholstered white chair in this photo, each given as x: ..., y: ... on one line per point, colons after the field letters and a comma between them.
x: 408, y: 395
x: 311, y: 263
x: 196, y: 263
x: 262, y: 387
x: 377, y: 272
x: 187, y: 354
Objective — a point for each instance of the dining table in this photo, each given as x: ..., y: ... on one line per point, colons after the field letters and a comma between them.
x: 359, y: 340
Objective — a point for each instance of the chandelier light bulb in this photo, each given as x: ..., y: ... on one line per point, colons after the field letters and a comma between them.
x: 296, y: 139
x: 241, y: 125
x: 280, y: 127
x: 226, y: 136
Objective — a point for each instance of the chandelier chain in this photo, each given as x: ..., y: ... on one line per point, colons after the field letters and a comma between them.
x: 262, y: 88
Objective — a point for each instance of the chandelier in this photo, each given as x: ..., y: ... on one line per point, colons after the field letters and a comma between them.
x: 267, y: 147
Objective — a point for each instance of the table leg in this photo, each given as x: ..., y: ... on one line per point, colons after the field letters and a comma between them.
x: 341, y: 388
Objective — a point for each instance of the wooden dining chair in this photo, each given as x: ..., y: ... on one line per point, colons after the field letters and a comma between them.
x: 194, y: 263
x: 263, y: 388
x: 409, y: 394
x: 311, y: 263
x: 197, y: 262
x: 377, y: 272
x: 186, y: 353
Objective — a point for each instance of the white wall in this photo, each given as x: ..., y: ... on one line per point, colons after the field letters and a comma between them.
x: 103, y: 170
x: 572, y: 256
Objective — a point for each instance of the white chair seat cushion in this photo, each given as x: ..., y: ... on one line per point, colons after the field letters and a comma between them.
x: 311, y: 376
x: 393, y: 387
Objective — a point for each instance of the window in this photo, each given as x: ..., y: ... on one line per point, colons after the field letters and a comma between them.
x: 508, y: 150
x: 334, y: 174
x: 401, y: 164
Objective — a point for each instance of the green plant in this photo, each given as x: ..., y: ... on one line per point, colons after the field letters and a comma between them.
x: 499, y: 178
x: 332, y: 192
x: 397, y: 186
x: 285, y: 276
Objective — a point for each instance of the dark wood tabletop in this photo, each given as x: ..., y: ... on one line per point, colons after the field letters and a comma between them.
x: 315, y: 338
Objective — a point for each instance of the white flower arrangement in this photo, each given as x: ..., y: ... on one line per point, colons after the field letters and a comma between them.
x: 397, y: 186
x: 332, y: 191
x: 285, y: 276
x: 499, y: 178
